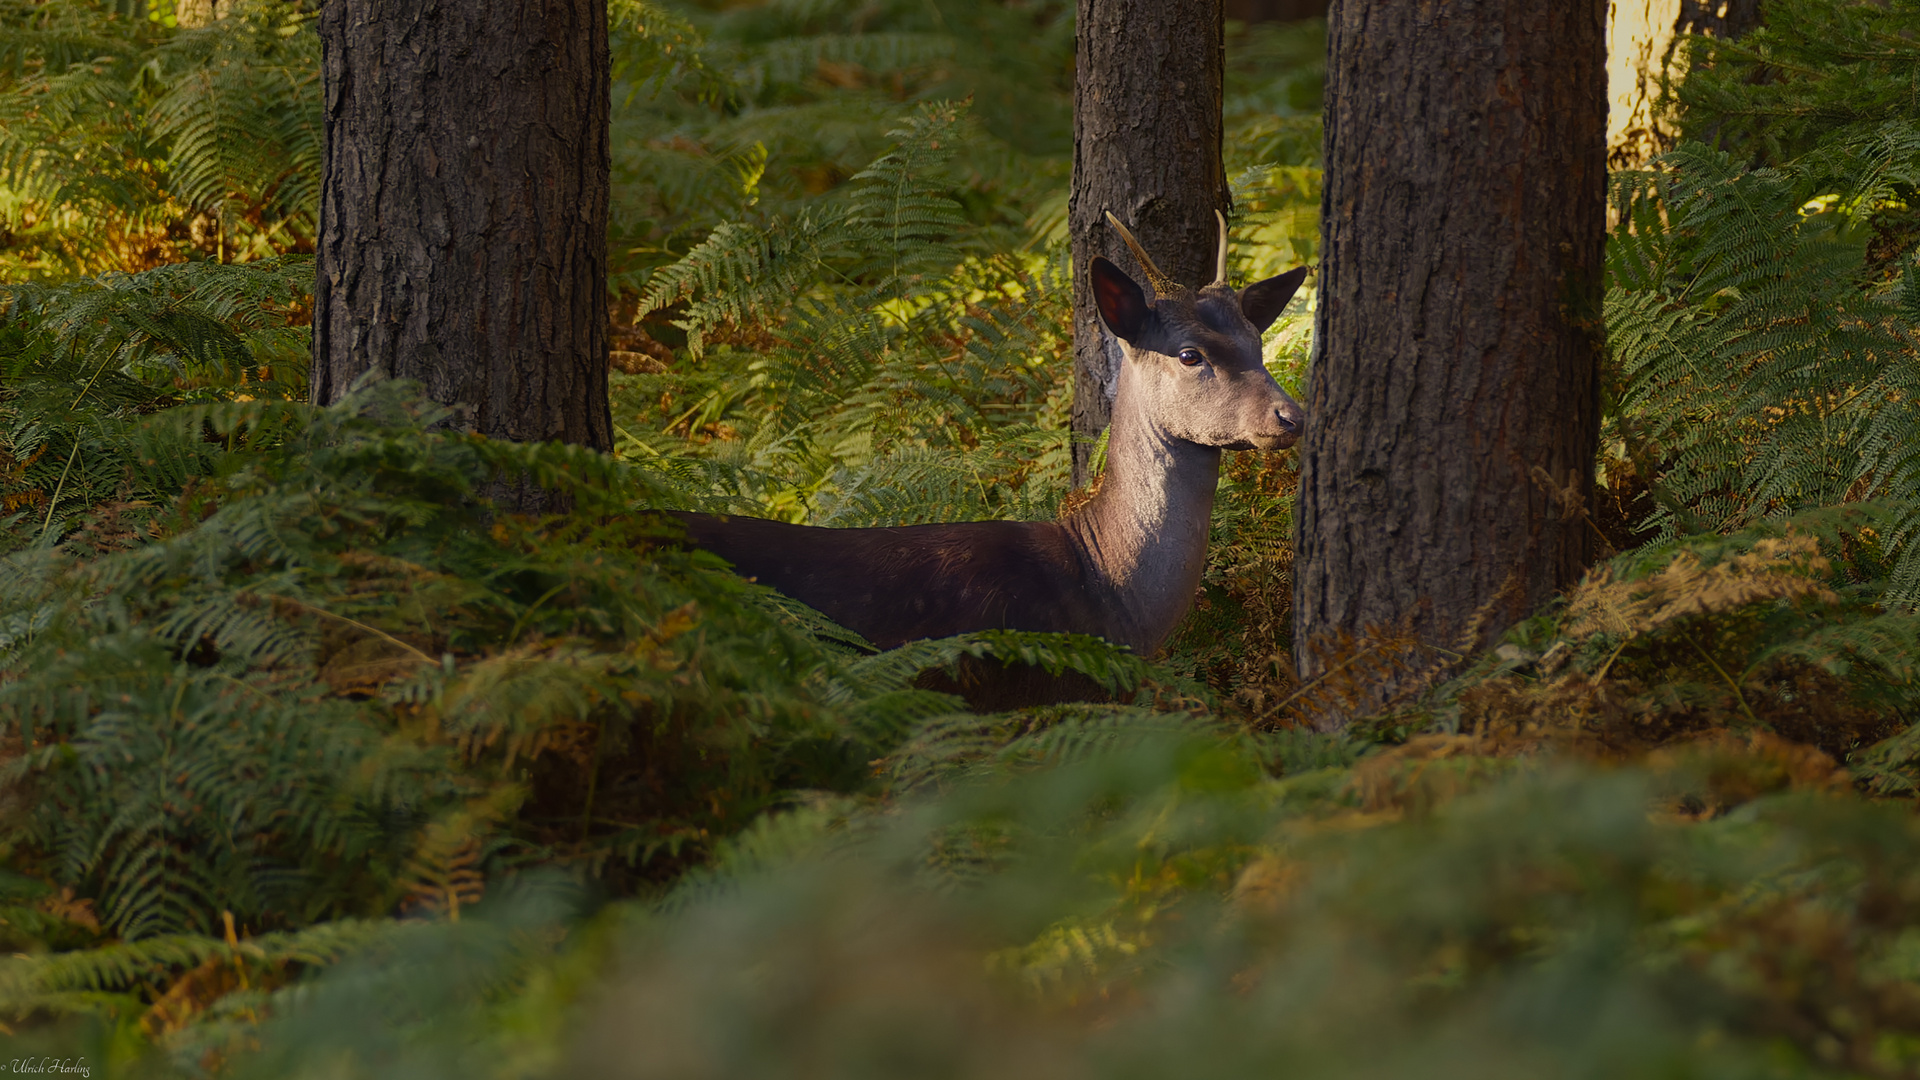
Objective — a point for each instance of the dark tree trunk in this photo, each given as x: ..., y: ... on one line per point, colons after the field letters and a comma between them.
x: 463, y: 210
x: 1458, y: 333
x: 1146, y: 145
x: 1724, y: 19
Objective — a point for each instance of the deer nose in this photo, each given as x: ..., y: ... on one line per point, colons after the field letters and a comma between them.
x: 1287, y: 424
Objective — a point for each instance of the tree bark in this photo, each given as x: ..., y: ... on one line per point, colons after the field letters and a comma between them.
x: 463, y: 210
x: 1146, y: 145
x: 1453, y: 407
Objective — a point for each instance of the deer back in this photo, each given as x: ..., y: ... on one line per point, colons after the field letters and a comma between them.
x: 904, y: 583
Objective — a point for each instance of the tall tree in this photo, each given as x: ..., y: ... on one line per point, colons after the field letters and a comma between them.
x: 463, y: 210
x: 1149, y: 76
x: 1454, y: 400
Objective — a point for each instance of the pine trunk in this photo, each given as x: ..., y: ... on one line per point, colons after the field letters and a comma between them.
x: 1454, y: 400
x: 463, y: 216
x: 1146, y: 145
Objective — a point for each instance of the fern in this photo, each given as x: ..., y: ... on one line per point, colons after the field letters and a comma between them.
x: 160, y: 142
x: 808, y: 98
x: 31, y: 981
x: 1753, y: 361
x: 744, y: 272
x: 1814, y: 74
x: 1778, y: 628
x: 898, y: 198
x: 242, y: 122
x: 84, y: 361
x: 316, y: 600
x: 285, y: 663
x: 891, y: 226
x: 661, y: 51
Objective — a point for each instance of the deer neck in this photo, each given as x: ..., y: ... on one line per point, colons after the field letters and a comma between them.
x: 1143, y: 536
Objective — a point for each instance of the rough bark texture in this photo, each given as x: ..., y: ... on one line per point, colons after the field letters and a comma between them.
x: 463, y: 210
x: 1146, y: 145
x: 1724, y: 19
x: 1458, y: 323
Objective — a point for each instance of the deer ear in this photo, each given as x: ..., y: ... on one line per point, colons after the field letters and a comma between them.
x: 1123, y: 306
x: 1263, y: 301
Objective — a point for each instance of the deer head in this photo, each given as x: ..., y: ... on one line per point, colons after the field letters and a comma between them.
x: 1194, y: 359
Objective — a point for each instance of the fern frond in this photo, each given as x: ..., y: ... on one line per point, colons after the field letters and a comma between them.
x: 790, y: 61
x: 1752, y: 358
x: 741, y: 273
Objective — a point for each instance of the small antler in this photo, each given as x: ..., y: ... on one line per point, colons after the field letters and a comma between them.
x: 1220, y: 260
x: 1163, y: 286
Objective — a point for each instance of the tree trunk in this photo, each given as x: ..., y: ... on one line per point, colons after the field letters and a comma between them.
x: 463, y: 210
x: 1146, y: 145
x: 1643, y: 55
x: 1454, y: 401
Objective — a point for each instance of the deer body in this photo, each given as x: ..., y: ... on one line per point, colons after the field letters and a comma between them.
x: 901, y: 584
x: 1127, y: 564
x: 1124, y: 567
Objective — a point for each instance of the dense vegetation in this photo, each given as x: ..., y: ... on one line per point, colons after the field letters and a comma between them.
x: 314, y: 764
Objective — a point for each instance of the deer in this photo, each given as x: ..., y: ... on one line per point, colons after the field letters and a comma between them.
x: 1124, y: 566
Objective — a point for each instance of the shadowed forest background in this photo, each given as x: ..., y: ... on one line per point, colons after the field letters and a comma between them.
x: 312, y: 763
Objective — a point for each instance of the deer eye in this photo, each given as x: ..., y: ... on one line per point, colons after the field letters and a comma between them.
x: 1192, y: 357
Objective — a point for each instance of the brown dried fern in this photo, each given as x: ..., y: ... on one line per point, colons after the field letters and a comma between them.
x: 1783, y: 568
x: 1670, y: 657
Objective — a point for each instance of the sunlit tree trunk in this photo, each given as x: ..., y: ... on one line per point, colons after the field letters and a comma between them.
x: 1454, y: 396
x: 1643, y: 52
x: 463, y: 210
x: 1146, y: 145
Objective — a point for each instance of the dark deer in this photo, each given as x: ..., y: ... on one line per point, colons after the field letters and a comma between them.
x: 1126, y: 565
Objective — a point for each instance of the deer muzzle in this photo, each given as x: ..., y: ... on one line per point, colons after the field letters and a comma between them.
x: 1279, y: 427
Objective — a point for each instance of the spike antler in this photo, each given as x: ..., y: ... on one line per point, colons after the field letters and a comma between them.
x: 1220, y: 259
x: 1163, y: 286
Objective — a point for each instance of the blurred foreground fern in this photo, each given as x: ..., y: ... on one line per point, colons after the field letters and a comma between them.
x: 1160, y: 904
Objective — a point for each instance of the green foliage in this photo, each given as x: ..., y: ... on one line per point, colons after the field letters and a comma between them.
x: 1816, y: 73
x: 1159, y: 903
x: 324, y: 681
x: 1760, y: 318
x: 767, y: 107
x: 1759, y: 631
x: 126, y: 142
x: 82, y: 363
x: 1742, y: 283
x: 909, y: 383
x: 315, y: 763
x: 888, y: 225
